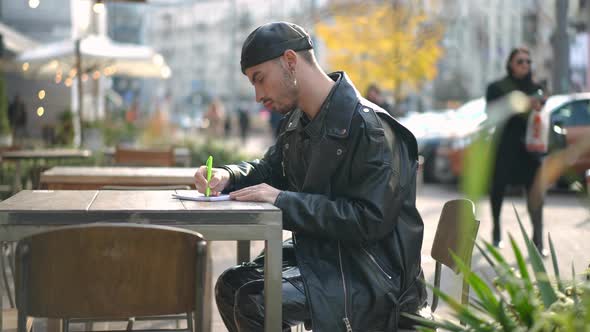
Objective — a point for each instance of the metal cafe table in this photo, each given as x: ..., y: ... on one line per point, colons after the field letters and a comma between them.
x: 96, y: 177
x: 32, y: 211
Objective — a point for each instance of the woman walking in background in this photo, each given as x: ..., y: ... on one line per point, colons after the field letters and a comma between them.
x: 514, y: 165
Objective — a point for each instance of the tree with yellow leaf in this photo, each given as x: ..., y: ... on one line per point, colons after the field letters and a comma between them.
x: 391, y: 44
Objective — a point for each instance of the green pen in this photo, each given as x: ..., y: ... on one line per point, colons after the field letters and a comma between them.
x: 209, y: 166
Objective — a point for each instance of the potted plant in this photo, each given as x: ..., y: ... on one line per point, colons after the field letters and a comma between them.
x: 65, y: 128
x: 521, y: 298
x: 5, y: 132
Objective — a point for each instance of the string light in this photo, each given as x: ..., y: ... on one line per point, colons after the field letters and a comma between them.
x: 68, y: 82
x: 34, y: 3
x: 96, y: 75
x: 25, y: 66
x: 58, y: 76
x: 84, y: 77
x: 40, y: 111
x: 41, y: 94
x: 166, y: 72
x: 158, y: 59
x: 98, y: 8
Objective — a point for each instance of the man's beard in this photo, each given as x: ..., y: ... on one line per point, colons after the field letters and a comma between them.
x: 289, y: 94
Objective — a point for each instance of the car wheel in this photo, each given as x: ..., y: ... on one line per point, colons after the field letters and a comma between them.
x: 442, y: 171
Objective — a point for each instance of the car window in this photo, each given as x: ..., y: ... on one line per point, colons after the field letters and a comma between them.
x: 580, y: 113
x: 576, y: 113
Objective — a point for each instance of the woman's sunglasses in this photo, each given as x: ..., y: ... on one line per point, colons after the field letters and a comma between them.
x: 523, y: 61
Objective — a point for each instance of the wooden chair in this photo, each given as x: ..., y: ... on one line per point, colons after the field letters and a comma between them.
x: 456, y: 232
x: 144, y: 157
x: 113, y: 271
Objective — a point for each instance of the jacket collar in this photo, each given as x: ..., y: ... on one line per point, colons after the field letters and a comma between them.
x: 337, y: 109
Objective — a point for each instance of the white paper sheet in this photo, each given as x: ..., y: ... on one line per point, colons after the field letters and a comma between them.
x: 202, y: 198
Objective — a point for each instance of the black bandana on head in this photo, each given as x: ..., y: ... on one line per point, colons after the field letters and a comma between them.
x: 271, y: 40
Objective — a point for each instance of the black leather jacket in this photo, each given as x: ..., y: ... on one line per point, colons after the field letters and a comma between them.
x: 357, y: 233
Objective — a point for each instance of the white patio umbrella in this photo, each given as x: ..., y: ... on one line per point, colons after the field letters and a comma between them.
x: 96, y: 53
x: 14, y: 43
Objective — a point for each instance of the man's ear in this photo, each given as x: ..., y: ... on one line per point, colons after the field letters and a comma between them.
x: 290, y: 58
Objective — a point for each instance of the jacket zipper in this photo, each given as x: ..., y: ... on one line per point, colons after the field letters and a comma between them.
x: 377, y: 264
x: 345, y: 319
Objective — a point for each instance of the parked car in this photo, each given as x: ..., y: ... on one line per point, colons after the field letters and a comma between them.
x: 435, y: 129
x: 569, y: 122
x: 430, y: 128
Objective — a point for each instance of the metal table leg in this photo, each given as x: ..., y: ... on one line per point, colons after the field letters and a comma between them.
x: 273, y: 260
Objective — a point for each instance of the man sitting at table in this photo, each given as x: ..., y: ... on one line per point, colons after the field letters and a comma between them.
x: 343, y: 173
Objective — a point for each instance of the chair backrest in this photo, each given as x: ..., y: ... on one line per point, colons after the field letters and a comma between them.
x: 111, y: 270
x: 144, y: 157
x: 456, y: 233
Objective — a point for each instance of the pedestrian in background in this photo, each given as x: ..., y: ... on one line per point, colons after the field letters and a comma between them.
x: 374, y: 95
x: 17, y: 115
x: 216, y: 117
x: 228, y: 125
x: 514, y: 164
x: 244, y: 122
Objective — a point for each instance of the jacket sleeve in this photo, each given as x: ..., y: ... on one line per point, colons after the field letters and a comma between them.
x: 266, y: 170
x: 367, y: 210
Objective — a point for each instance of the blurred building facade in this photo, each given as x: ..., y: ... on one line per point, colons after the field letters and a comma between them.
x: 50, y: 21
x: 126, y: 24
x: 201, y: 41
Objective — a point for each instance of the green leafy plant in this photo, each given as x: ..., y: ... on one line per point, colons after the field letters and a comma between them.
x: 65, y: 128
x: 223, y: 153
x: 118, y: 132
x: 518, y: 300
x: 4, y: 120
